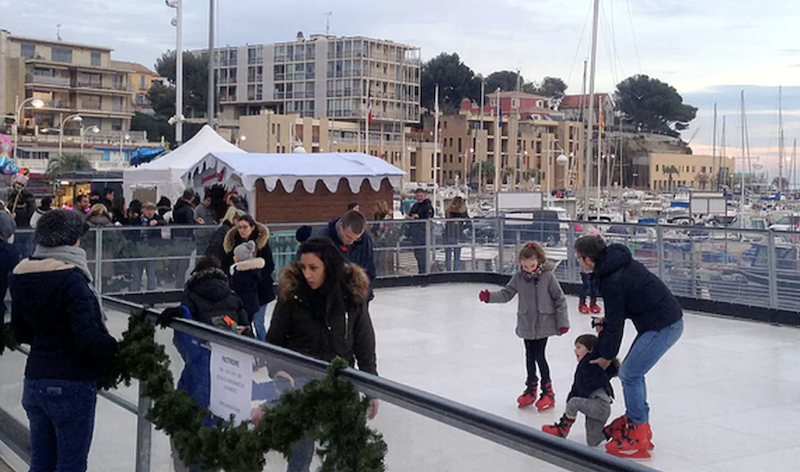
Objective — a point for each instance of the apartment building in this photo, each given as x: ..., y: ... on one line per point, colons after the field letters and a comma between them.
x: 341, y: 78
x: 70, y: 78
x: 141, y: 78
x: 531, y: 139
x: 576, y: 108
x: 273, y: 133
x: 667, y: 171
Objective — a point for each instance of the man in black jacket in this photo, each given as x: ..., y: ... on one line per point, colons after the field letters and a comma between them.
x: 183, y: 214
x: 9, y: 258
x: 150, y: 244
x: 630, y: 291
x: 349, y: 234
x: 422, y: 210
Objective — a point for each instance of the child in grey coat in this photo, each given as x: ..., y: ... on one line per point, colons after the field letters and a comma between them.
x: 541, y: 313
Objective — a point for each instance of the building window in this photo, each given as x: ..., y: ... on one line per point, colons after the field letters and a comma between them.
x: 28, y: 51
x: 96, y: 59
x: 62, y: 55
x: 142, y: 83
x: 656, y: 167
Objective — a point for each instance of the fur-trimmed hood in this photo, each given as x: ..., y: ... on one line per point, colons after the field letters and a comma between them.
x: 232, y: 238
x: 253, y: 264
x: 36, y: 266
x: 210, y: 284
x: 289, y: 282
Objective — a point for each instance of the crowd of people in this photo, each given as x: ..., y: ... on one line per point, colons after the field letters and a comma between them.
x: 322, y: 311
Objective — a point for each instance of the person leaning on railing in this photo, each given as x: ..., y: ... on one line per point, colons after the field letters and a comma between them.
x: 56, y: 310
x: 322, y: 313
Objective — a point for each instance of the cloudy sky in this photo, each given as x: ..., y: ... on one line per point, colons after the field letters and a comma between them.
x: 708, y: 50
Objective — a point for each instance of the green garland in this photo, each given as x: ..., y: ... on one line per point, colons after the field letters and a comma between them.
x: 329, y: 411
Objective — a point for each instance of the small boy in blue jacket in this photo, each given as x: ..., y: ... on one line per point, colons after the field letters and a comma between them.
x: 591, y: 394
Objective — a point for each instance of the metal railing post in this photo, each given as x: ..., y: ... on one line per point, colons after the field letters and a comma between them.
x: 144, y: 434
x: 98, y: 261
x: 474, y: 262
x: 501, y: 245
x: 571, y: 252
x: 660, y: 248
x: 693, y: 286
x: 428, y: 246
x: 773, y: 271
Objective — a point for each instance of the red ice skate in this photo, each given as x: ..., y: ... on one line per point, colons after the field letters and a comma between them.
x: 634, y: 443
x: 528, y: 397
x: 593, y: 307
x: 548, y: 398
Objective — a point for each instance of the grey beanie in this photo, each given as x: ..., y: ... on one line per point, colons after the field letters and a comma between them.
x: 244, y: 251
x: 60, y: 228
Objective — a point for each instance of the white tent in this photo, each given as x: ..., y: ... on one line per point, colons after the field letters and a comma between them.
x: 164, y: 173
x: 245, y: 169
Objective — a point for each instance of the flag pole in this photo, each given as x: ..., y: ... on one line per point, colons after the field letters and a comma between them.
x: 367, y: 120
x: 435, y: 146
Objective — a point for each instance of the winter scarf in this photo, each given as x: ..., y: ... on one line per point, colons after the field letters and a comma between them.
x: 74, y: 256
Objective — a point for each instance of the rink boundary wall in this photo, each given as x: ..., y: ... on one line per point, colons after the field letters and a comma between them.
x: 708, y: 307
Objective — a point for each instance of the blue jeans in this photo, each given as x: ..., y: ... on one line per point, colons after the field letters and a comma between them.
x: 452, y: 258
x: 61, y: 415
x: 145, y: 266
x: 302, y: 455
x: 645, y: 352
x: 260, y: 321
x: 588, y: 288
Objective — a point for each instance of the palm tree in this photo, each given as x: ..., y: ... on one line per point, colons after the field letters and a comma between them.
x: 508, y: 174
x: 66, y: 164
x: 670, y: 171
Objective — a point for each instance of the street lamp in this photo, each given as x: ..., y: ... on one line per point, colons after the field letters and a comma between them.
x: 240, y: 139
x: 75, y: 117
x: 122, y: 140
x: 35, y: 103
x: 91, y: 129
x: 177, y: 22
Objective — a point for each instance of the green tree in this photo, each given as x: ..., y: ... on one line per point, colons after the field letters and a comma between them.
x: 650, y: 105
x: 195, y: 82
x: 155, y: 127
x: 505, y: 80
x: 486, y: 168
x: 670, y: 171
x: 66, y: 164
x: 508, y: 175
x: 552, y: 87
x: 455, y: 79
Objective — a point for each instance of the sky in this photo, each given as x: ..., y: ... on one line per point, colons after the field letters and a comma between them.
x: 708, y: 50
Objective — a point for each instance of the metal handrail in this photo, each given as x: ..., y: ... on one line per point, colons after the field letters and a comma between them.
x: 565, y: 454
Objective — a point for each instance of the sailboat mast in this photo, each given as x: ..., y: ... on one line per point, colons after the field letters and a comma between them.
x: 724, y: 150
x: 794, y: 163
x: 744, y: 143
x: 714, y: 150
x: 587, y: 175
x: 780, y: 143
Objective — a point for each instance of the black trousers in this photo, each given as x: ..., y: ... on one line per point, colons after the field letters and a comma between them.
x: 534, y: 356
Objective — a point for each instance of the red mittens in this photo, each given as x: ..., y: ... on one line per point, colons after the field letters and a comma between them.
x: 563, y: 330
x: 484, y: 296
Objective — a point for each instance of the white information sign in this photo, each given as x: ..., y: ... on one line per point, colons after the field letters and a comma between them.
x: 231, y: 383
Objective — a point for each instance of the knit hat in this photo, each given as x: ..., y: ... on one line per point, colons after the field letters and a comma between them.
x: 302, y: 234
x: 60, y: 228
x: 244, y: 251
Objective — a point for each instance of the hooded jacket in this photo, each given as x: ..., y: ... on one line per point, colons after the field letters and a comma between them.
x: 542, y: 306
x: 590, y: 378
x: 348, y: 334
x: 260, y: 234
x: 245, y: 281
x: 183, y: 214
x: 99, y: 221
x: 7, y: 225
x: 37, y: 215
x: 54, y: 310
x: 209, y: 298
x: 9, y: 258
x: 359, y: 253
x: 630, y: 291
x: 424, y: 211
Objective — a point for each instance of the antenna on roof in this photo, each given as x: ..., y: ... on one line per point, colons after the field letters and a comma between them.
x: 328, y: 16
x: 58, y: 32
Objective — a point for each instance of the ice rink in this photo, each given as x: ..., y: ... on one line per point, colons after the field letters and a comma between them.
x: 725, y: 398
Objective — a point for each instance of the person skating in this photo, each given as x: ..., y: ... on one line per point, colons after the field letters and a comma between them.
x: 542, y: 313
x: 589, y: 287
x: 591, y: 394
x: 630, y: 291
x: 349, y: 234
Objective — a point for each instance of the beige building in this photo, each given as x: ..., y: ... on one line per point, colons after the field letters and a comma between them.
x: 70, y: 78
x: 141, y: 79
x: 272, y: 133
x: 670, y: 171
x: 529, y: 149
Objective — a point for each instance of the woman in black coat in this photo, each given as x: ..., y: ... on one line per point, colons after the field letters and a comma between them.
x: 247, y: 229
x: 216, y: 243
x: 322, y: 313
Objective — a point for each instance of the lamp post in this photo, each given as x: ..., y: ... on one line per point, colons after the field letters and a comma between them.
x: 35, y: 103
x: 240, y: 140
x: 177, y: 22
x: 91, y: 129
x: 75, y: 117
x: 122, y: 140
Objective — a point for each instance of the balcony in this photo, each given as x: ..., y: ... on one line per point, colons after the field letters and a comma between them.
x: 58, y: 104
x: 45, y: 80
